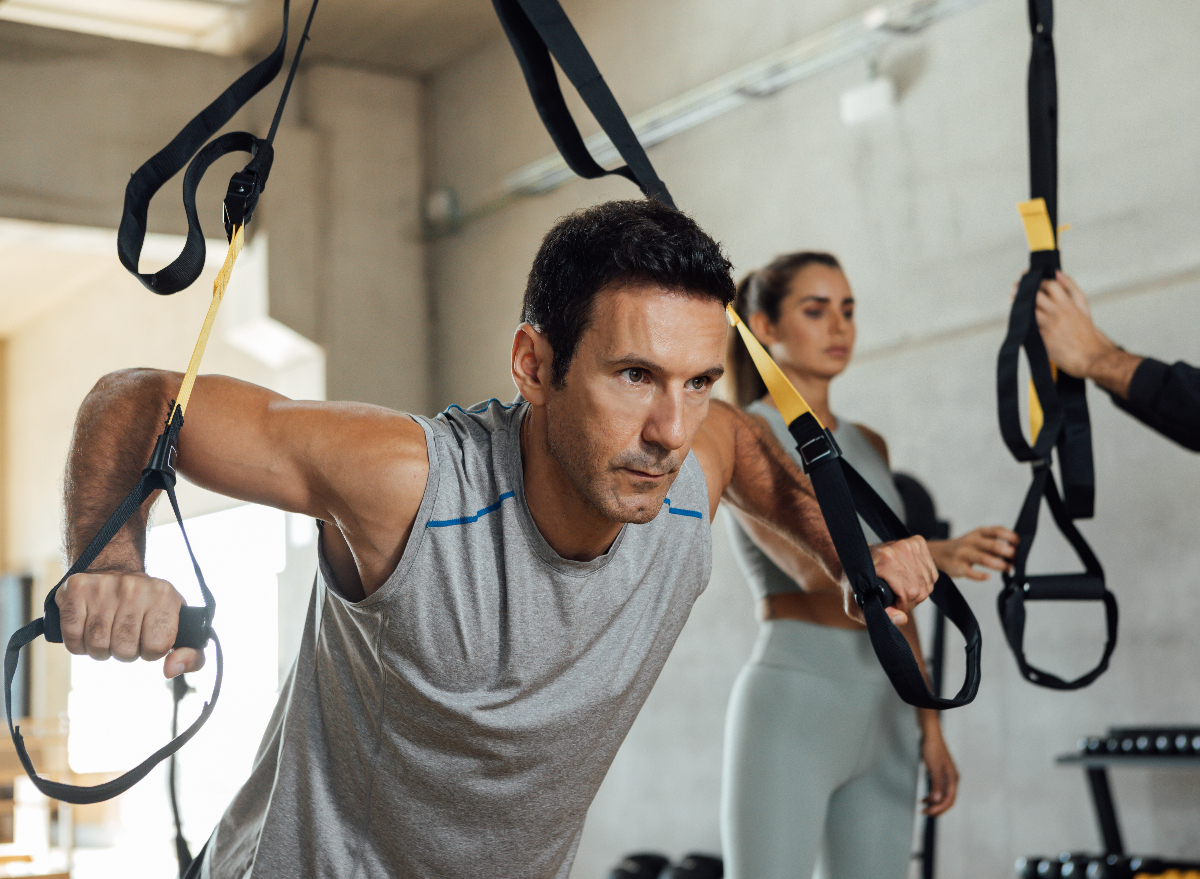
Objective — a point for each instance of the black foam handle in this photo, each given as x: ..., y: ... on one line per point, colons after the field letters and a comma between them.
x: 193, y: 626
x: 885, y: 592
x: 1064, y: 587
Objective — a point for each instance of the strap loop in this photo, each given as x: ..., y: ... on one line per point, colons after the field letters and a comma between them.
x: 537, y: 29
x: 189, y: 148
x: 1057, y: 400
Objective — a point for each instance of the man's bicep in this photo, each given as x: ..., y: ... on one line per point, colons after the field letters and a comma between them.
x: 332, y: 461
x: 714, y: 448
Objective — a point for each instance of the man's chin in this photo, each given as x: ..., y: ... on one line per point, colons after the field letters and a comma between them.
x: 638, y: 508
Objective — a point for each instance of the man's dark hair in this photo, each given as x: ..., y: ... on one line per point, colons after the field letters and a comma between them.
x: 619, y: 242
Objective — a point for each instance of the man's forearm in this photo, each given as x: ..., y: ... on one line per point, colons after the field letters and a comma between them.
x: 113, y: 437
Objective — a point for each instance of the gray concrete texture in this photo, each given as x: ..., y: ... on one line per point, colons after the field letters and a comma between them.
x: 921, y: 209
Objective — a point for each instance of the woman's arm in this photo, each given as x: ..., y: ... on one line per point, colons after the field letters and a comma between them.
x: 943, y: 774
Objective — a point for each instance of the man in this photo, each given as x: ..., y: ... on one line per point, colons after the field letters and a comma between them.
x: 1166, y: 398
x: 499, y: 587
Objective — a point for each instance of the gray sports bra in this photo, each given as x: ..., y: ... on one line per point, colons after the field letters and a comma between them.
x: 763, y: 575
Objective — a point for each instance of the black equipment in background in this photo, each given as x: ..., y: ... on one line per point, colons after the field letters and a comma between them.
x: 1058, y: 405
x: 640, y: 866
x: 920, y: 516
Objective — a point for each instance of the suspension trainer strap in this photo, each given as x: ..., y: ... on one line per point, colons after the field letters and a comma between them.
x: 195, y: 624
x: 244, y: 188
x: 1058, y: 413
x: 538, y: 29
x: 843, y: 496
x: 195, y: 628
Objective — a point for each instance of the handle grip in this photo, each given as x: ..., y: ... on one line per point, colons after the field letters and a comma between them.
x: 1064, y: 587
x: 193, y: 626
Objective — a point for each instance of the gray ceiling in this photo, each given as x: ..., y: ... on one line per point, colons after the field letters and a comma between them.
x: 415, y: 37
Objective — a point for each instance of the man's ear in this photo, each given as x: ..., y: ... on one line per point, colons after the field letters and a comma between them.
x: 532, y: 357
x: 760, y: 325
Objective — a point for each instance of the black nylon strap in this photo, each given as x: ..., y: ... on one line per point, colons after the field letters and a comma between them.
x: 183, y: 854
x: 538, y: 29
x: 1019, y: 587
x: 843, y: 495
x: 1066, y: 425
x: 244, y: 189
x: 195, y: 627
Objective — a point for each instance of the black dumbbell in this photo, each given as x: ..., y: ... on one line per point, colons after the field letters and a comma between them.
x: 640, y: 866
x: 696, y: 867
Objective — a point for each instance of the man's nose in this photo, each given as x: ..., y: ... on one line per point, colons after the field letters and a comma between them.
x: 666, y: 424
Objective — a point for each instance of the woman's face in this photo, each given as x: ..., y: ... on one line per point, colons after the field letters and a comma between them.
x: 814, y: 335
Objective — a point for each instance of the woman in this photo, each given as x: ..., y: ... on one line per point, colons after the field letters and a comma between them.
x: 820, y: 753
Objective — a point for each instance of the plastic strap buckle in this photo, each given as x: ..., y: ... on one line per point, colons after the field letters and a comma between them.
x: 166, y: 449
x: 818, y: 449
x: 240, y: 200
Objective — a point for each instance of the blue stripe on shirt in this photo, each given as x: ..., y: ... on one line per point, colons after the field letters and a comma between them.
x: 695, y: 514
x: 467, y: 520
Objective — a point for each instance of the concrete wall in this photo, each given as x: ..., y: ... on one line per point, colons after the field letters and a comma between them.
x: 921, y: 209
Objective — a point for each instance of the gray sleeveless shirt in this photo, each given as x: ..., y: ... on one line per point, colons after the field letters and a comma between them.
x: 762, y: 574
x: 458, y: 722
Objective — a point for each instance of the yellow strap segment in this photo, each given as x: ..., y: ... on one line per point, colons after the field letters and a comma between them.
x: 1036, y: 417
x: 219, y: 285
x: 1037, y: 224
x: 1040, y: 234
x: 787, y: 398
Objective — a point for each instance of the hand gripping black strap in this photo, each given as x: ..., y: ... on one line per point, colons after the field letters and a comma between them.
x: 1019, y: 588
x: 1062, y: 401
x: 244, y: 188
x: 538, y: 29
x: 195, y: 628
x: 843, y: 495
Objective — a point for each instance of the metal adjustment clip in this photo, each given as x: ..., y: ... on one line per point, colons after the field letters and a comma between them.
x: 818, y: 449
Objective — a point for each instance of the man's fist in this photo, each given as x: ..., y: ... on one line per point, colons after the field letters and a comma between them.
x: 908, y: 568
x: 124, y: 617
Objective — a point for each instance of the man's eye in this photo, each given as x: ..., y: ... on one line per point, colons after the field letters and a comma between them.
x: 814, y: 313
x: 635, y: 375
x: 699, y: 383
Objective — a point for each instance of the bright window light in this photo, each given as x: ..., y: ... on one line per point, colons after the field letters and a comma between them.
x: 121, y: 713
x: 205, y: 25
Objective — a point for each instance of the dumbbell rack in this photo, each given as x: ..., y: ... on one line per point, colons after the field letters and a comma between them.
x: 1128, y: 748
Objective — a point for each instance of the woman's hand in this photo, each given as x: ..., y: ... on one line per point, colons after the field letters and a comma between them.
x: 943, y: 774
x: 992, y: 546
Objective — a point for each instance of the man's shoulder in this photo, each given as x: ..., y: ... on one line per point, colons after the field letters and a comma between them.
x: 489, y: 416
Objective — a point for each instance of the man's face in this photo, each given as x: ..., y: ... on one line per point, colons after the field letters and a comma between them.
x: 635, y: 395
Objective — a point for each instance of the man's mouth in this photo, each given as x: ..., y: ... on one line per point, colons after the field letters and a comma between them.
x: 643, y: 474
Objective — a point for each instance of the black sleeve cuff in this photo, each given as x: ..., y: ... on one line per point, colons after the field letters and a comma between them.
x: 1147, y: 380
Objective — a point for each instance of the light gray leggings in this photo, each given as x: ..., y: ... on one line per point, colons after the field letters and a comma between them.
x: 820, y: 759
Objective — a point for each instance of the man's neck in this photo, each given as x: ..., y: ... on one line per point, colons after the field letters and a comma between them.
x: 572, y: 526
